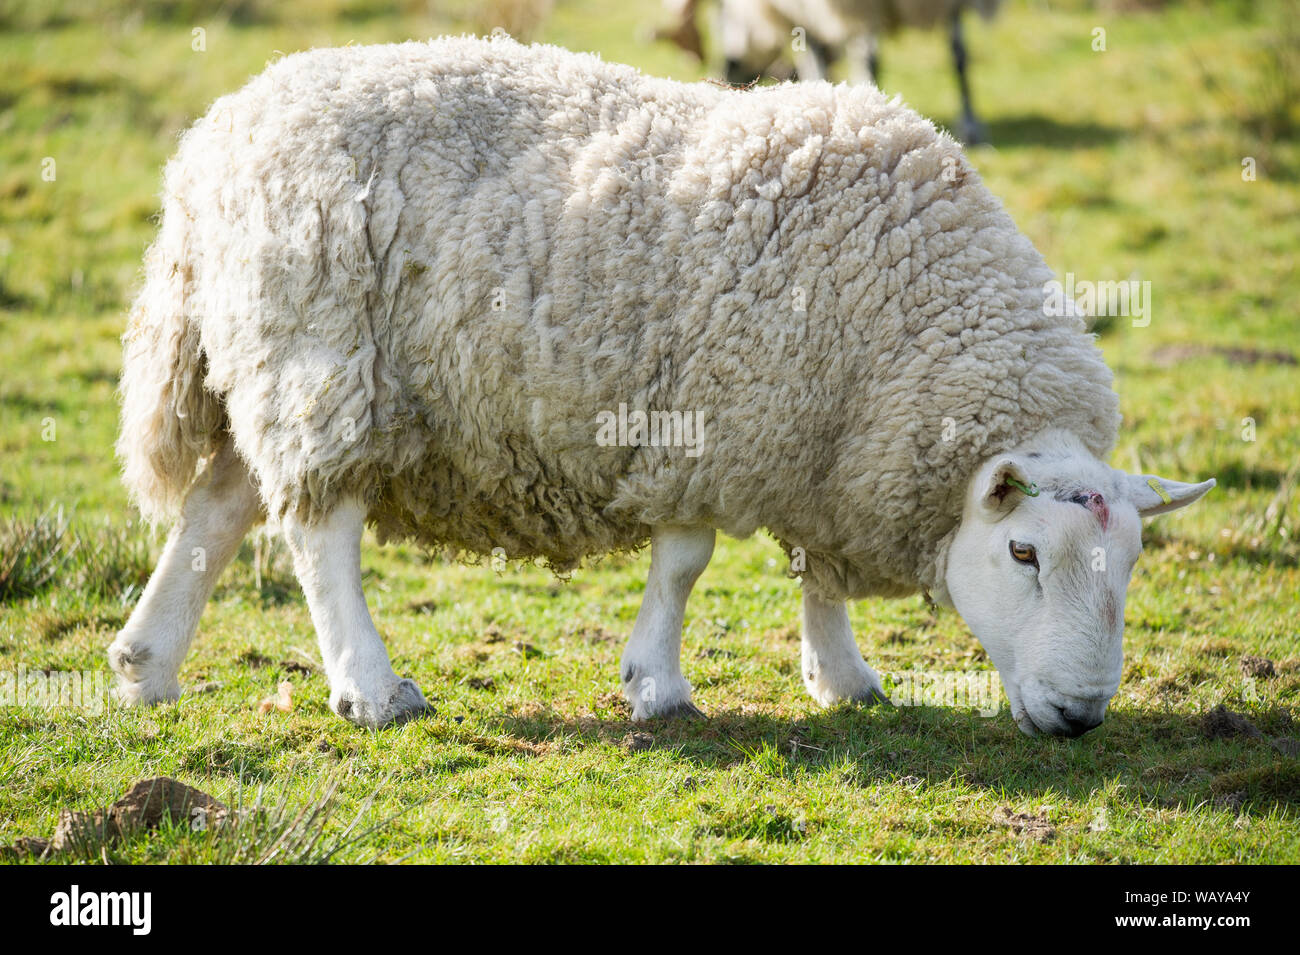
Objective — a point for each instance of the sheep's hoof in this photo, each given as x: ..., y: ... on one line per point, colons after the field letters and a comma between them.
x: 136, y: 685
x: 681, y: 709
x: 401, y: 703
x: 685, y: 710
x: 858, y: 685
x: 653, y: 698
x: 972, y: 132
x: 146, y: 693
x: 873, y: 697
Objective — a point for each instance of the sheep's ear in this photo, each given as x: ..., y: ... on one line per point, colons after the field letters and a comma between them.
x: 1156, y: 495
x: 1005, y: 484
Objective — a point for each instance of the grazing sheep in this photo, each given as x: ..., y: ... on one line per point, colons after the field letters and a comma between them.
x: 869, y: 19
x: 442, y: 287
x: 757, y: 35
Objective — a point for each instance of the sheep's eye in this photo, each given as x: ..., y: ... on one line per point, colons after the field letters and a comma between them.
x: 1024, y: 553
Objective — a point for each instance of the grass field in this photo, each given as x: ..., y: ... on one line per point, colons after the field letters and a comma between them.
x: 1122, y: 163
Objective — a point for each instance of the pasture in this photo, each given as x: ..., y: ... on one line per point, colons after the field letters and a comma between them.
x: 1169, y: 157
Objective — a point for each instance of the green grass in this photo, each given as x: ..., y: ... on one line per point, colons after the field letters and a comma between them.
x: 1118, y: 164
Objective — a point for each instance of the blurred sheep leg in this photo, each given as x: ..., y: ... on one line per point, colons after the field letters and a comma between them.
x: 812, y: 63
x: 970, y: 130
x: 863, y: 55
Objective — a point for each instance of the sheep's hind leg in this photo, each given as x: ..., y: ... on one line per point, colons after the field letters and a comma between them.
x: 833, y: 668
x: 219, y: 510
x: 651, y: 667
x: 327, y: 560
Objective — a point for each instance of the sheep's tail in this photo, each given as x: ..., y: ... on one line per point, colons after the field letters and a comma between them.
x: 170, y: 421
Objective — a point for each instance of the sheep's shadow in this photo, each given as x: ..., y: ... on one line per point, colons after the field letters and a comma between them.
x: 1142, y: 758
x: 1034, y: 129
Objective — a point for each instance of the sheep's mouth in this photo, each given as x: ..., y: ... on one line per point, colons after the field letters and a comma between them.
x: 1027, y: 725
x: 1062, y: 727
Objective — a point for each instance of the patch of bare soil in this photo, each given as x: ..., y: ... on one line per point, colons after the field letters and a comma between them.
x: 255, y: 658
x: 1223, y: 723
x: 593, y: 635
x: 1259, y: 667
x: 505, y: 746
x: 1169, y: 355
x: 638, y: 742
x: 613, y: 700
x: 1035, y: 827
x: 144, y: 806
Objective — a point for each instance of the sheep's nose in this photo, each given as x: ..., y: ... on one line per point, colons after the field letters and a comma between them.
x: 1079, y: 719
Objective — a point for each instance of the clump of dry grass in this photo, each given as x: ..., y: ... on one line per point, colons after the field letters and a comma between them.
x: 32, y: 554
x: 106, y: 561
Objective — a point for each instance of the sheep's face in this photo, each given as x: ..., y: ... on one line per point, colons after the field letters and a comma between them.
x: 1039, y: 569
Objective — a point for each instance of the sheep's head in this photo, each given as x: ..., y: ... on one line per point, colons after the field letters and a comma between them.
x: 1039, y: 568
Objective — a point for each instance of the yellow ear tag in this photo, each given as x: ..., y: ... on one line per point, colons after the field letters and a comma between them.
x: 1155, y: 486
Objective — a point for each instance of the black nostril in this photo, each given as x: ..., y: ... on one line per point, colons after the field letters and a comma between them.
x: 1074, y: 726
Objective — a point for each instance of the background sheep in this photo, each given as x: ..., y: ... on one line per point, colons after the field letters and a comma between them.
x: 757, y: 37
x: 400, y: 284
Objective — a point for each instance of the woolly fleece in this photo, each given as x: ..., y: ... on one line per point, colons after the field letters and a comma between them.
x: 416, y: 273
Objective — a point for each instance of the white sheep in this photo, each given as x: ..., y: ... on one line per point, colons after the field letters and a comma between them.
x: 461, y: 290
x: 757, y: 36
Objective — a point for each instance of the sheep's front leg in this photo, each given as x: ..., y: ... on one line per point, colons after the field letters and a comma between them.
x: 327, y: 560
x: 219, y: 510
x: 651, y: 667
x: 833, y: 668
